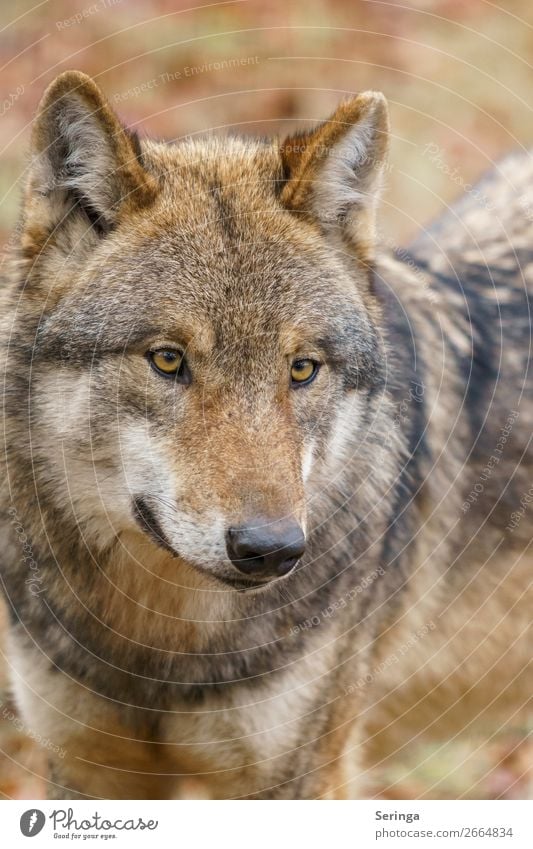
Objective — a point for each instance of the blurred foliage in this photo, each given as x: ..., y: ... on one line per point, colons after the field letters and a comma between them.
x: 458, y: 76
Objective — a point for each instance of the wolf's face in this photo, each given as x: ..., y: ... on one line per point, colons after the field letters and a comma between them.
x: 204, y: 327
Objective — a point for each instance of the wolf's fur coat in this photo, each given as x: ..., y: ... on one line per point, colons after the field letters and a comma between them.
x: 407, y: 460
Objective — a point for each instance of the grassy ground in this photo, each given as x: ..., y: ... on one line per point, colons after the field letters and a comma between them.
x: 459, y: 78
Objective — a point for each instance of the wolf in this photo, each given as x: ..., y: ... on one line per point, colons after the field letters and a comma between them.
x: 265, y: 511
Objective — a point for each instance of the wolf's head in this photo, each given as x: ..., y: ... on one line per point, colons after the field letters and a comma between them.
x: 197, y: 328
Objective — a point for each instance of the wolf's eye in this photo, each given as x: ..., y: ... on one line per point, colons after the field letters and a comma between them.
x: 303, y: 372
x: 170, y: 363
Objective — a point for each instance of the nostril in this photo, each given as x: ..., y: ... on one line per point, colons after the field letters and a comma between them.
x: 265, y: 549
x: 252, y: 555
x: 240, y: 546
x: 286, y: 566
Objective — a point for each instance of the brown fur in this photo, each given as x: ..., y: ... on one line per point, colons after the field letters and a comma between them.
x: 131, y: 645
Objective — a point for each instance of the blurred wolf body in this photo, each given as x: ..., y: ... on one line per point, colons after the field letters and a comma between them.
x: 265, y: 514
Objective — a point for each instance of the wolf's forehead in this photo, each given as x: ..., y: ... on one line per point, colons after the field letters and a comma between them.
x: 217, y: 250
x: 198, y: 179
x: 219, y: 229
x: 228, y: 299
x: 219, y: 216
x: 229, y: 160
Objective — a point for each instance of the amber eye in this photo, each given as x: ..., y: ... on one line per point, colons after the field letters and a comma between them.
x: 303, y: 371
x: 170, y: 363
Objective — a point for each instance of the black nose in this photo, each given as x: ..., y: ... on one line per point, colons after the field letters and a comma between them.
x: 265, y: 549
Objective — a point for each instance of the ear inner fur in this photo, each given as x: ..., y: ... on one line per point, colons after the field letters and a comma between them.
x: 79, y: 146
x: 333, y: 173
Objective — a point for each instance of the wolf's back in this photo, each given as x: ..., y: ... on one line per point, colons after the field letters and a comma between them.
x: 479, y: 257
x: 491, y: 223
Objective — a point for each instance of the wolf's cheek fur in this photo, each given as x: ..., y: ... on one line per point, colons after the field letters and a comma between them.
x: 194, y: 477
x: 155, y: 478
x: 73, y: 467
x: 98, y: 472
x: 77, y: 462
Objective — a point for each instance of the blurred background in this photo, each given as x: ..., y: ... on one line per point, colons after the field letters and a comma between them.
x: 459, y: 79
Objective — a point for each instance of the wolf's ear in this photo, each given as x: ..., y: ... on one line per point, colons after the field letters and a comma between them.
x: 333, y: 173
x: 83, y: 161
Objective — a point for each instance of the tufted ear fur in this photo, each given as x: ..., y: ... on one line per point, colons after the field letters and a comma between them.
x: 334, y: 172
x: 86, y: 168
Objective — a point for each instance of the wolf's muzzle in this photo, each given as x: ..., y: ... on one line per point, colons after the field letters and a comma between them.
x: 264, y: 550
